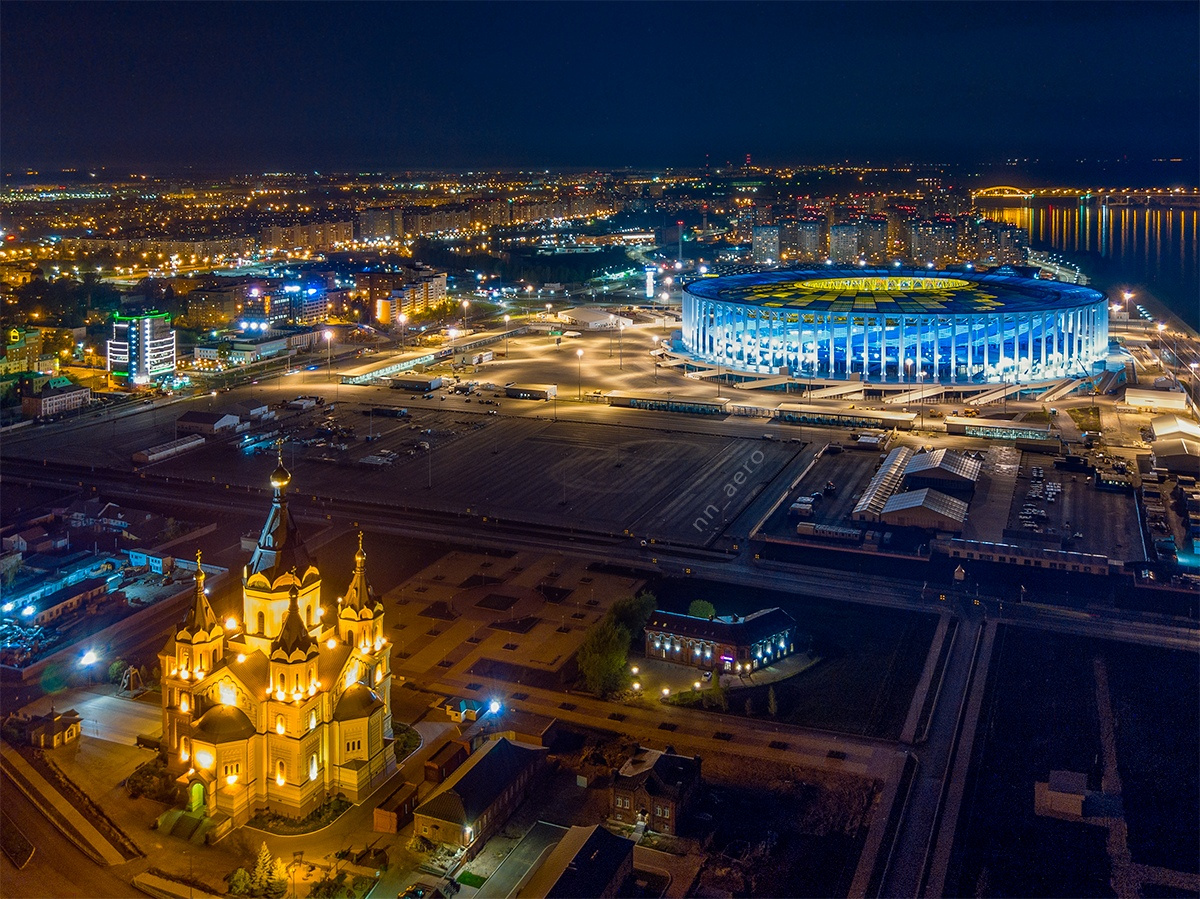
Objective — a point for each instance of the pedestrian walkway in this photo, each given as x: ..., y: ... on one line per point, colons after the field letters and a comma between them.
x: 42, y: 794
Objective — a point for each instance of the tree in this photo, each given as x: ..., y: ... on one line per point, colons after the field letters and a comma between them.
x: 116, y: 669
x: 277, y: 882
x: 239, y: 882
x: 772, y: 705
x: 602, y: 657
x: 632, y: 613
x: 264, y: 868
x: 702, y: 608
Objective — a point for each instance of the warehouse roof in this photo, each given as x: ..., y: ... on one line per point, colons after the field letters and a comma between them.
x: 944, y: 461
x: 939, y: 503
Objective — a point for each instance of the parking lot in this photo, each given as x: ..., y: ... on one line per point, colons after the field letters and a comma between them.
x: 1063, y: 509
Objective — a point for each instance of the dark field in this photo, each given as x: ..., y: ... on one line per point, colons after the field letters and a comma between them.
x: 1156, y: 701
x: 1040, y: 715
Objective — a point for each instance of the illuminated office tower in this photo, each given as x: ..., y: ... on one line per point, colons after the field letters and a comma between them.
x: 142, y: 348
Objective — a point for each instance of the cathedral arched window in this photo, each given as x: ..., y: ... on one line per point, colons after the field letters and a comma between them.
x: 262, y: 623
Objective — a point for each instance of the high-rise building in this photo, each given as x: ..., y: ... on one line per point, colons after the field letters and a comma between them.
x: 265, y: 310
x: 808, y: 239
x: 843, y: 243
x: 21, y: 350
x: 873, y: 238
x: 142, y: 348
x: 765, y: 243
x: 935, y: 241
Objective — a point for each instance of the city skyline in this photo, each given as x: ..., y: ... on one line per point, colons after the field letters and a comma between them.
x: 281, y: 87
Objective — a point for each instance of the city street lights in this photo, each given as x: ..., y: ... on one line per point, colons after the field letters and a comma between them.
x: 466, y: 311
x: 579, y: 373
x: 506, y: 336
x: 328, y: 355
x: 403, y: 328
x: 1162, y: 345
x: 654, y: 359
x: 452, y: 333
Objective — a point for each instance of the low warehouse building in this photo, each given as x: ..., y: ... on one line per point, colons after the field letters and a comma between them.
x: 943, y: 470
x: 926, y: 509
x: 1178, y: 455
x: 1167, y: 426
x: 587, y: 863
x: 198, y: 422
x: 477, y: 799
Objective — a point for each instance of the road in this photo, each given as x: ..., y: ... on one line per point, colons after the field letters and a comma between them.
x: 905, y: 875
x: 57, y: 868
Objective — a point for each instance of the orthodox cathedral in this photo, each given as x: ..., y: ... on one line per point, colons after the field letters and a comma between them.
x: 289, y: 706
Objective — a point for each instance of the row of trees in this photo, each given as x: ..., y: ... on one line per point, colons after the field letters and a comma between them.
x: 603, y: 658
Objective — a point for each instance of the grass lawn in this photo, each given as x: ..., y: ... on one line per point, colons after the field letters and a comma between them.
x: 1086, y: 418
x: 325, y: 814
x: 407, y: 741
x: 472, y: 880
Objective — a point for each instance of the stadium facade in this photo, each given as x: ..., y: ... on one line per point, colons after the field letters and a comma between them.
x: 896, y: 325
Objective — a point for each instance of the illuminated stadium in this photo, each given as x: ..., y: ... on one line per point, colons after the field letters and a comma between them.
x: 896, y: 325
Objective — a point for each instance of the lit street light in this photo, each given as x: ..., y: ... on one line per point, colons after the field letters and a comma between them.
x: 506, y: 336
x: 328, y: 355
x: 403, y: 328
x: 579, y: 372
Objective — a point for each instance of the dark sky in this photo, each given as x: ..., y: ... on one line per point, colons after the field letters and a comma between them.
x: 341, y: 86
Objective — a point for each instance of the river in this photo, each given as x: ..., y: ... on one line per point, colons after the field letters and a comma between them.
x: 1116, y: 245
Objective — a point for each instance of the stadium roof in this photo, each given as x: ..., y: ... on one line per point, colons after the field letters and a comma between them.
x: 895, y: 291
x: 944, y: 460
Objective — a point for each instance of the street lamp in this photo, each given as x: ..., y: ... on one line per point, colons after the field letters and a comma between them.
x: 328, y: 355
x: 506, y: 336
x: 654, y: 359
x: 620, y: 348
x: 1162, y: 345
x: 466, y: 306
x: 579, y: 372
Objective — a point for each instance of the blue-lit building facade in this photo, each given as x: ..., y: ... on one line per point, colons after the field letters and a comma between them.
x: 896, y: 325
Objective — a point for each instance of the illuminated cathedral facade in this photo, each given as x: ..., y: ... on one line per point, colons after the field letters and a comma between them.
x: 290, y: 705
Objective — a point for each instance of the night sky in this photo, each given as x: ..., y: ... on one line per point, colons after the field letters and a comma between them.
x: 291, y: 86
